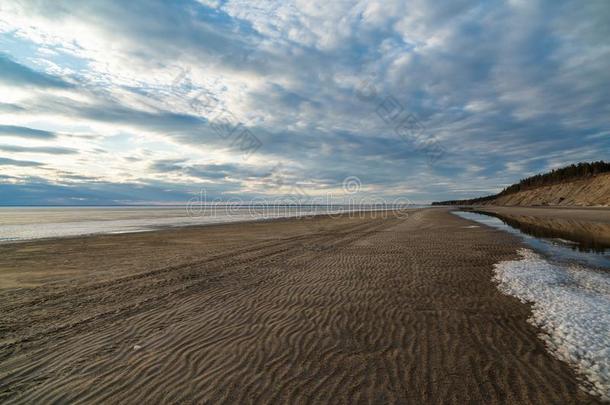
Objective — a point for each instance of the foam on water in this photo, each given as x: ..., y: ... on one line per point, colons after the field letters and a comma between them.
x: 571, y: 305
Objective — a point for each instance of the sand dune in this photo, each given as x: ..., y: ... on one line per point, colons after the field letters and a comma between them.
x: 593, y: 191
x: 349, y: 310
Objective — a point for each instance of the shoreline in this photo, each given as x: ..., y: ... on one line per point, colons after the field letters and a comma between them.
x: 161, y: 228
x: 586, y: 213
x: 348, y: 309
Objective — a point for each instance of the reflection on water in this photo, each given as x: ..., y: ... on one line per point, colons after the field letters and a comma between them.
x: 585, y: 236
x: 585, y: 242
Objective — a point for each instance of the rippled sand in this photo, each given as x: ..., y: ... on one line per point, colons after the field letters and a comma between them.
x: 349, y: 310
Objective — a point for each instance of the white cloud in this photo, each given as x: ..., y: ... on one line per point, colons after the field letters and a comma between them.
x: 498, y: 84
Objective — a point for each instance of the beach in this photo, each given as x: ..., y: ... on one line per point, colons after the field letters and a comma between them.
x: 362, y: 308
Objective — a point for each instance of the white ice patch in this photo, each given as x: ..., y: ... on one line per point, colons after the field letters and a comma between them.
x: 571, y: 304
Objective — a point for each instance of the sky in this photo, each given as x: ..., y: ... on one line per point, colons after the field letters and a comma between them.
x: 154, y: 102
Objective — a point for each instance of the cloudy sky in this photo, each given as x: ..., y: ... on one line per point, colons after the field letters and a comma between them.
x: 112, y: 102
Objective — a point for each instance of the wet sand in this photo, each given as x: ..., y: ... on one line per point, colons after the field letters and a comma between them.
x: 321, y: 310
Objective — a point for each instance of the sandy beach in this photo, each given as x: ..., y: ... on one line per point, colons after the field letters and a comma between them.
x: 304, y: 202
x: 337, y: 310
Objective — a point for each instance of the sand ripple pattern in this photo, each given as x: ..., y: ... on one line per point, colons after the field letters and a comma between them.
x: 365, y: 310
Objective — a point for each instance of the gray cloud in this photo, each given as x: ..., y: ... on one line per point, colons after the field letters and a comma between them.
x: 51, y: 150
x: 20, y: 163
x: 25, y: 132
x: 211, y: 171
x: 41, y: 192
x: 12, y: 108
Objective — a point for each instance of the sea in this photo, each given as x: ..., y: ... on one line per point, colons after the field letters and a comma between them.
x: 30, y: 223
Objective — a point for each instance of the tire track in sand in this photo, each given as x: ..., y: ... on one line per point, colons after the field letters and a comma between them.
x: 368, y: 311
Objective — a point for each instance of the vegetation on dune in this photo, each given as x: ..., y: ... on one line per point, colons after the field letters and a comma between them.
x: 556, y: 176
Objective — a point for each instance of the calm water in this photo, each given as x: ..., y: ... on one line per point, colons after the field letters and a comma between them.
x: 26, y: 223
x: 585, y: 250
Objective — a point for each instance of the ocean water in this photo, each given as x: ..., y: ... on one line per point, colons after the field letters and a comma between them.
x: 569, y: 290
x: 28, y: 223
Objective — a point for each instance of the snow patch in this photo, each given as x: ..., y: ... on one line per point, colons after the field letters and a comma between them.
x: 571, y: 305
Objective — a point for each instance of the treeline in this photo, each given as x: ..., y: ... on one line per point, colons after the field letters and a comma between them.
x: 556, y: 176
x: 472, y: 201
x: 572, y: 172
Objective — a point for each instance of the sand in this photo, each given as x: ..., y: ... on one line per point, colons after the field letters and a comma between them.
x: 588, y: 192
x: 348, y: 310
